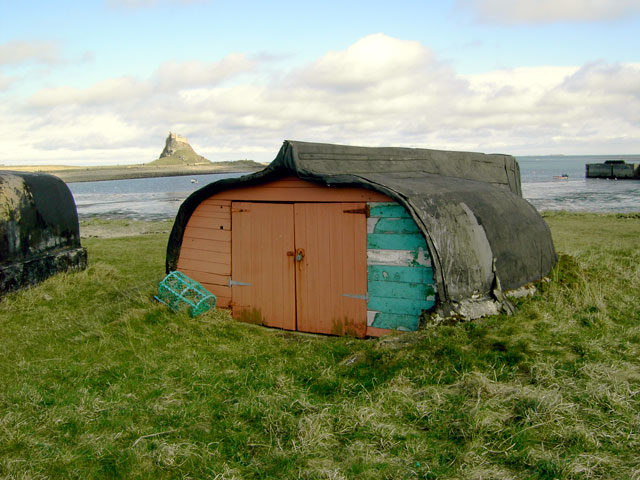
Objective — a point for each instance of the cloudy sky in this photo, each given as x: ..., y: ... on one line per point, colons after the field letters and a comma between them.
x: 103, y: 82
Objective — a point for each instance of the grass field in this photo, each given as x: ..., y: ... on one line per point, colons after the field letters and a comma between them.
x: 98, y: 381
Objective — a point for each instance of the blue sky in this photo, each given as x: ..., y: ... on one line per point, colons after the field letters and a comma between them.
x: 103, y: 82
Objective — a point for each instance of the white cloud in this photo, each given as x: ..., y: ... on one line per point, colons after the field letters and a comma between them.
x: 106, y: 92
x: 169, y: 77
x: 603, y: 97
x: 379, y: 91
x: 5, y: 81
x: 603, y: 79
x: 367, y: 62
x: 543, y: 11
x: 196, y: 74
x: 12, y: 53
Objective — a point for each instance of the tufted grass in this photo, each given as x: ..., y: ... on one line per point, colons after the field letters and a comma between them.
x: 98, y: 381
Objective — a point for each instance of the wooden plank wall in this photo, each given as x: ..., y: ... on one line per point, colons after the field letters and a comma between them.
x: 400, y: 280
x: 205, y: 254
x: 264, y: 291
x: 399, y: 273
x: 331, y: 279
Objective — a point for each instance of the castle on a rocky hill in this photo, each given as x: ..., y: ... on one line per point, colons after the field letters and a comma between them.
x: 174, y: 137
x: 177, y: 151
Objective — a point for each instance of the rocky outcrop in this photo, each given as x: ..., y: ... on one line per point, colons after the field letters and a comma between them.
x: 177, y: 151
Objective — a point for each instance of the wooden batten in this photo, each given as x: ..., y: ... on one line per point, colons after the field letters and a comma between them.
x: 293, y: 189
x: 379, y: 332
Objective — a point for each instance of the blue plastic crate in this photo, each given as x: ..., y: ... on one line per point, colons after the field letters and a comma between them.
x: 177, y: 290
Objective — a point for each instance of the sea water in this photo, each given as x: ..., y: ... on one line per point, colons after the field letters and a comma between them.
x: 160, y: 197
x: 154, y: 198
x: 544, y: 187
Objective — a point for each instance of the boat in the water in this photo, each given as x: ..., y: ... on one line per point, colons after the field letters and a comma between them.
x: 564, y: 176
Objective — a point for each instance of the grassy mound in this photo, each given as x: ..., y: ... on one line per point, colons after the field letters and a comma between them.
x: 99, y: 381
x: 181, y: 157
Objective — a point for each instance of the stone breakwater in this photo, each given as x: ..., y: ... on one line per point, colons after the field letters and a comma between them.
x: 613, y: 169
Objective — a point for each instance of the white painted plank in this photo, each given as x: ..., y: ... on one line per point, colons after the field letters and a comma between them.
x: 402, y: 258
x: 371, y: 316
x: 371, y: 224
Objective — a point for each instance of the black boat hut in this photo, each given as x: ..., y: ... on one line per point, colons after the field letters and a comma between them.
x: 356, y: 240
x: 39, y: 231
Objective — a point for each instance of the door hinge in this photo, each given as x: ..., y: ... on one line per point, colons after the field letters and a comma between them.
x: 356, y: 296
x: 364, y: 210
x: 235, y: 282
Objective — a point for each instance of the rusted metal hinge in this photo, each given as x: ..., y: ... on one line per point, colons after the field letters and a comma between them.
x: 358, y: 297
x: 364, y: 210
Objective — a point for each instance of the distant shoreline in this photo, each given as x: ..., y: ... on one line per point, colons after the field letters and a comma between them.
x: 125, y: 172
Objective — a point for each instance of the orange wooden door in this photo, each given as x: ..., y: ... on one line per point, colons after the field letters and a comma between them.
x: 262, y: 274
x: 331, y: 277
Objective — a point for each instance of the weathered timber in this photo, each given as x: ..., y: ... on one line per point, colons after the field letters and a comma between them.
x: 39, y: 231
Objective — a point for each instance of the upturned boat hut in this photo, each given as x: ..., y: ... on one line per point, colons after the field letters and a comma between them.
x: 39, y: 231
x: 354, y: 240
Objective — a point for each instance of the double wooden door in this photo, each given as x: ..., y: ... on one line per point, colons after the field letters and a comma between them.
x: 300, y: 266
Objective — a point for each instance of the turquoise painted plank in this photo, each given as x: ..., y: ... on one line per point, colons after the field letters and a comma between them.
x: 392, y: 210
x: 390, y: 273
x: 407, y: 323
x: 415, y: 291
x: 396, y: 225
x: 396, y: 241
x: 399, y: 305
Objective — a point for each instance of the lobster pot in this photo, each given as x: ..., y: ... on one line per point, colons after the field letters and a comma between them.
x: 177, y: 290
